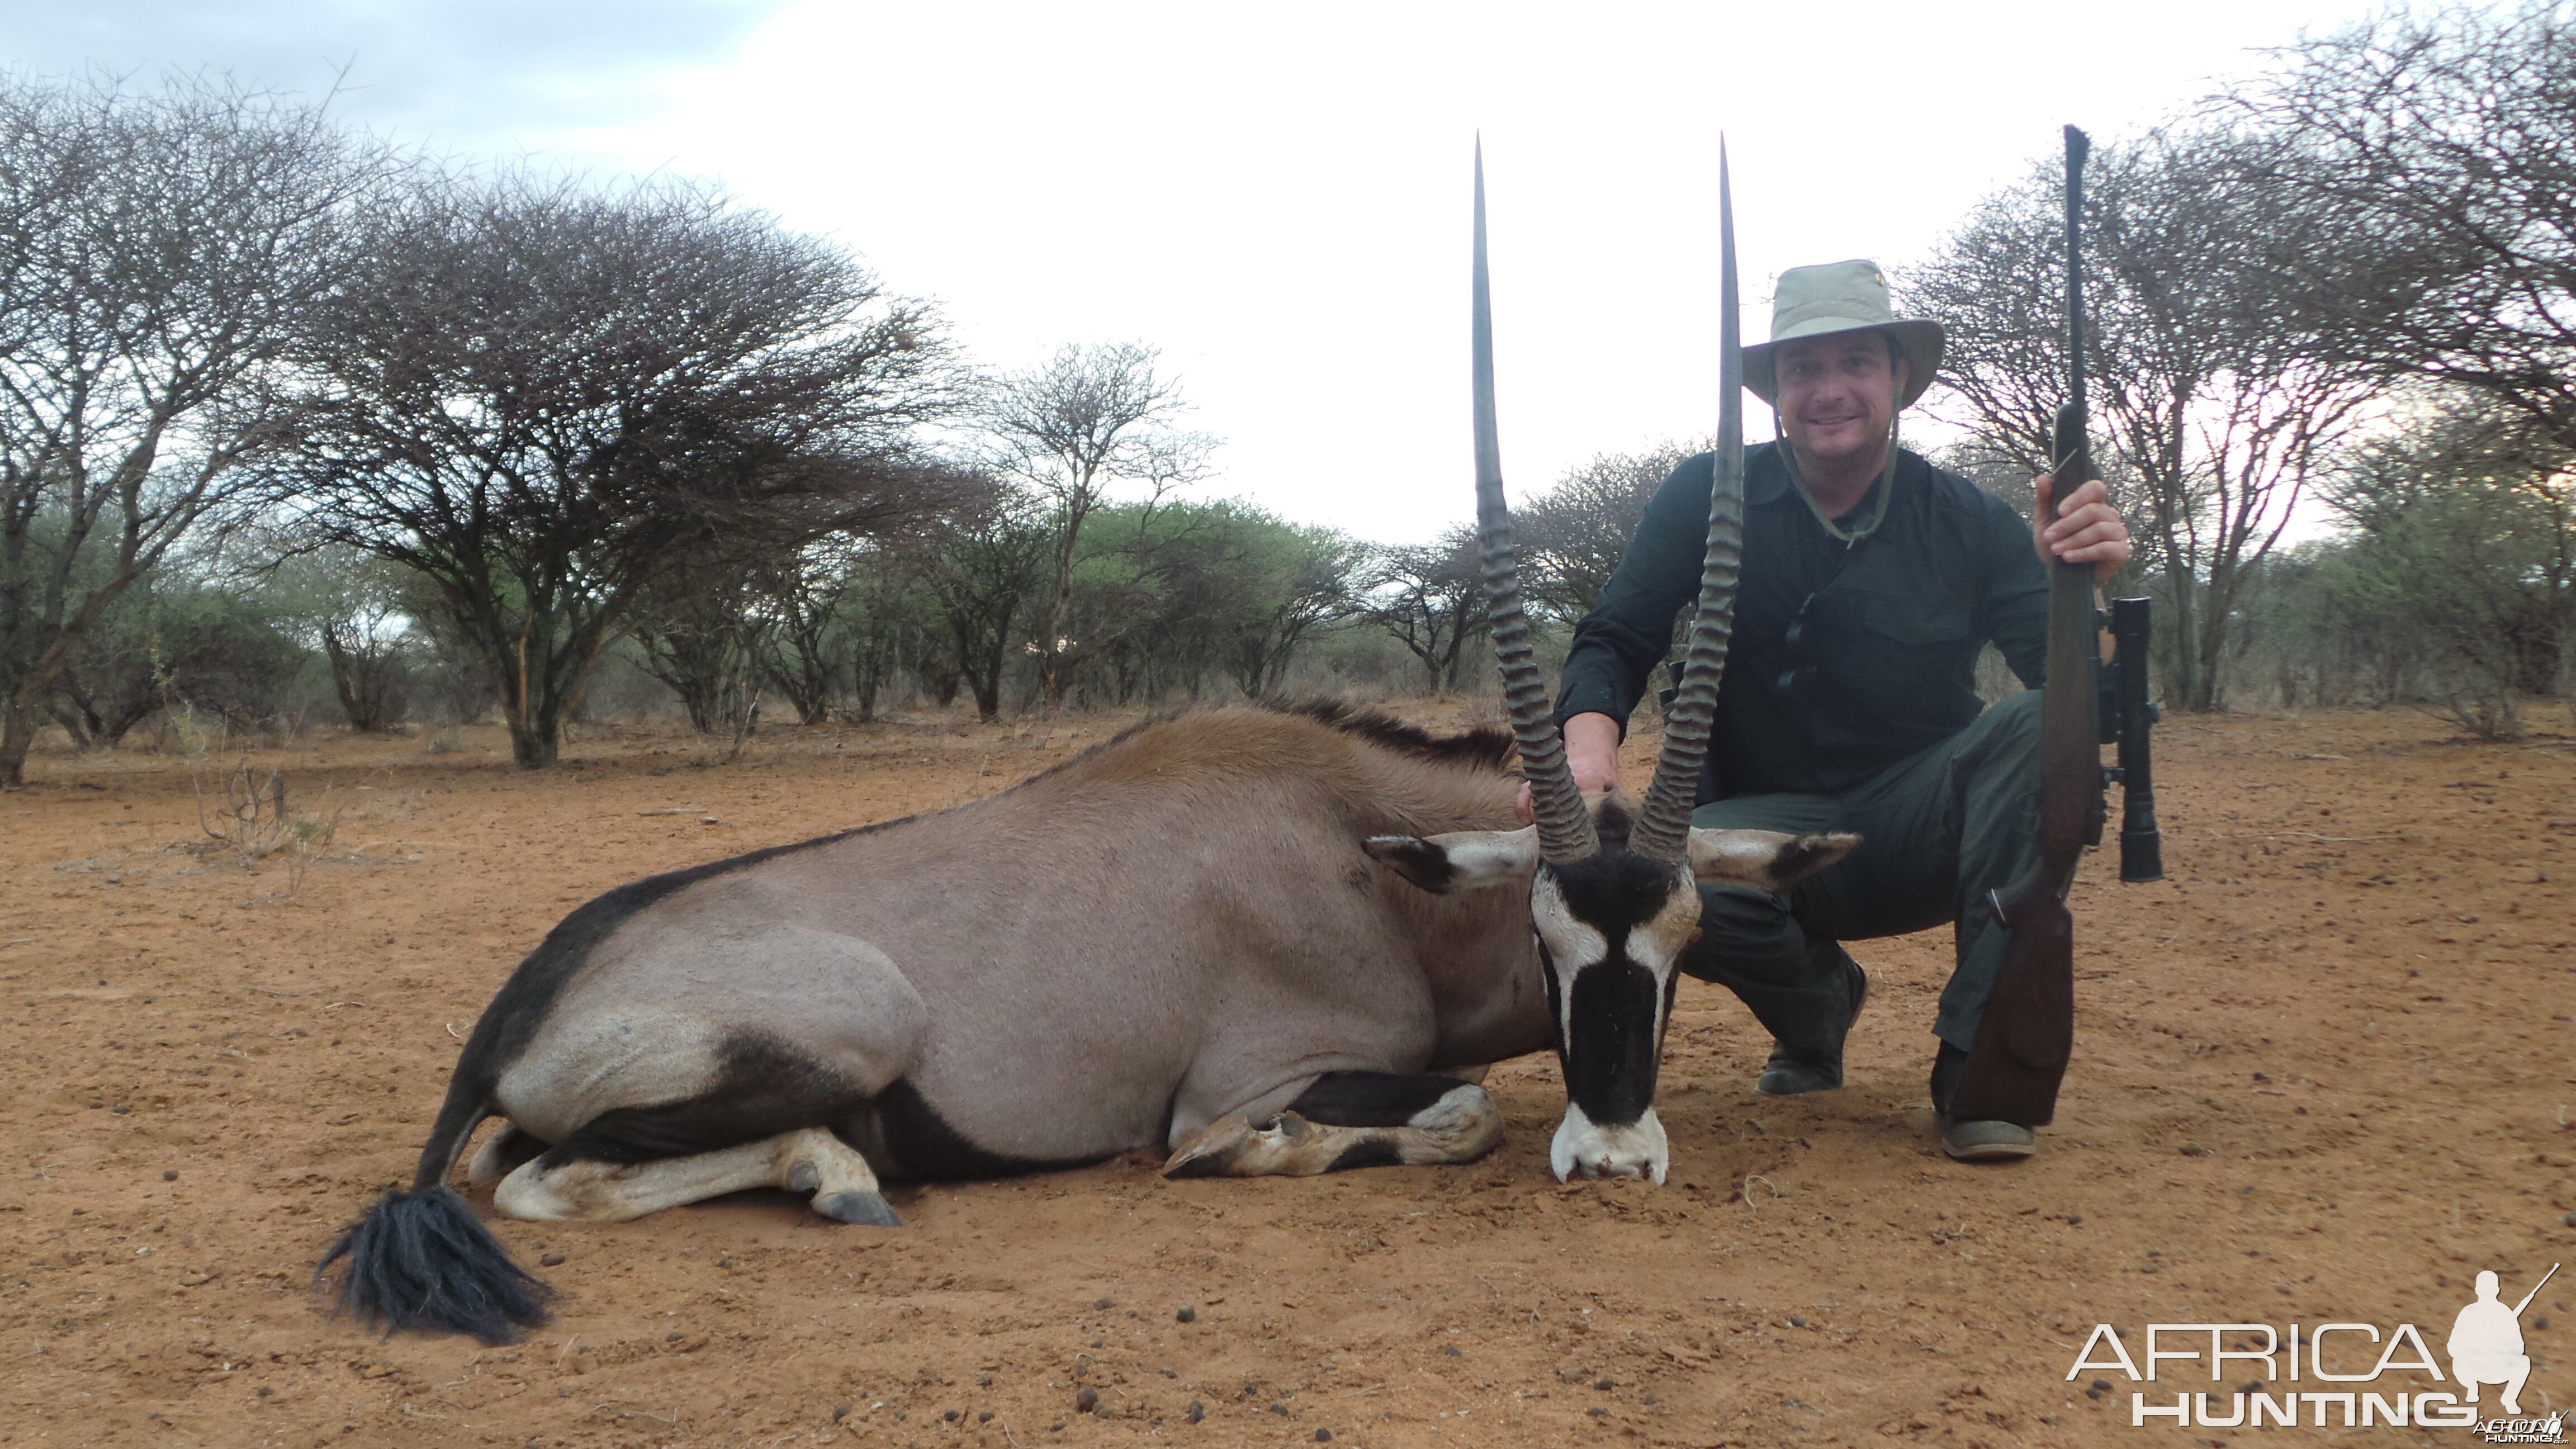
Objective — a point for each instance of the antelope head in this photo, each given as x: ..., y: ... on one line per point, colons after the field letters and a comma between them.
x: 1612, y: 883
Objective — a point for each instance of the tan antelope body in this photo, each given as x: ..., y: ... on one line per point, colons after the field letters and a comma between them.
x: 1193, y: 937
x: 1160, y: 944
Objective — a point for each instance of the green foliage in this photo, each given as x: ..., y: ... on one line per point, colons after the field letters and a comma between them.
x: 1170, y: 596
x: 173, y: 639
x: 355, y: 608
x: 2462, y: 551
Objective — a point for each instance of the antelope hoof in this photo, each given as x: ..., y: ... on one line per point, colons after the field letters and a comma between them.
x: 1591, y: 1149
x: 867, y: 1209
x: 1232, y: 1146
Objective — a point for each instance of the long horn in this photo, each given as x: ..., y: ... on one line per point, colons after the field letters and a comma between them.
x: 1564, y: 826
x: 1662, y: 831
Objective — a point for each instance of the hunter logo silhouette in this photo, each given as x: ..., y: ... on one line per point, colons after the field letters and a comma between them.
x: 2486, y: 1342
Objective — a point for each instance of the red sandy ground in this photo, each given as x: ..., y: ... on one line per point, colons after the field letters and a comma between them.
x: 2324, y: 1073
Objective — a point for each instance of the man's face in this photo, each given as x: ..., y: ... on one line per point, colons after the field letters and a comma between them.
x: 1837, y: 393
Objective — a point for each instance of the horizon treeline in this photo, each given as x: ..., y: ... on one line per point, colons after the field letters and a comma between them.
x: 296, y: 423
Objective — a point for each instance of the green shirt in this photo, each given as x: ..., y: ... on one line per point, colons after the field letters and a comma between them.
x: 1845, y: 658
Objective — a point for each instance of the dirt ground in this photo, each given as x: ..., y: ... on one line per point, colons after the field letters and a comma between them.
x: 2324, y: 1073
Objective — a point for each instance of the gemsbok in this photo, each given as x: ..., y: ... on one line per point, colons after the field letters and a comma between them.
x: 1183, y: 940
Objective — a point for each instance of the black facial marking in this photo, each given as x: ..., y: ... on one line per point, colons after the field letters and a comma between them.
x: 1370, y: 1099
x: 924, y: 1147
x: 1617, y: 1029
x: 1614, y: 893
x: 1375, y: 1152
x: 1615, y: 1013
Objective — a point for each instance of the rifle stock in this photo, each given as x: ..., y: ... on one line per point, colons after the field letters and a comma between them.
x: 2027, y: 1031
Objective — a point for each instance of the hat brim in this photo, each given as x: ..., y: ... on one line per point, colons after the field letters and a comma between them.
x: 1919, y: 342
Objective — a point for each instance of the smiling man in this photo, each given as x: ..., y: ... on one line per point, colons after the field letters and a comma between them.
x: 1871, y: 581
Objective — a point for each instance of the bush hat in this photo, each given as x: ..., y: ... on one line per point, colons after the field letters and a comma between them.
x: 1842, y: 297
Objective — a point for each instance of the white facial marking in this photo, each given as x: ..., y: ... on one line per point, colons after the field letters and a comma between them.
x: 1585, y: 1147
x: 1571, y: 943
x: 1570, y: 939
x: 1657, y: 943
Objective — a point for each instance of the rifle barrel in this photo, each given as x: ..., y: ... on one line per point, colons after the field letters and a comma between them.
x: 2535, y: 1290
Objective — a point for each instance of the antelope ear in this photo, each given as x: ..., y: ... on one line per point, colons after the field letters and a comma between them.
x: 1766, y: 859
x: 1466, y: 860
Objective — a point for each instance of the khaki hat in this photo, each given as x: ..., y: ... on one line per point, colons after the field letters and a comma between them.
x: 1842, y: 297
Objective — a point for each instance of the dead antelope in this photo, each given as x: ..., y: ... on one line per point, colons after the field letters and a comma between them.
x: 1175, y: 941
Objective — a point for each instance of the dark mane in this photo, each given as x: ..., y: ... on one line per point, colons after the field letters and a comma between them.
x: 1484, y: 748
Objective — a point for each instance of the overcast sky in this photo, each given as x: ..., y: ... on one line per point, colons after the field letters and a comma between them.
x: 1277, y: 197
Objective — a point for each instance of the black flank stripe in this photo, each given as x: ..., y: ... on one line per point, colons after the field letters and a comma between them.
x: 1370, y: 1099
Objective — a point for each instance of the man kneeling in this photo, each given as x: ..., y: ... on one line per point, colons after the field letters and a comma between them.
x: 1871, y: 580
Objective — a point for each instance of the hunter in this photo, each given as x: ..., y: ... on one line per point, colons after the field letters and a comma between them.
x: 1871, y: 580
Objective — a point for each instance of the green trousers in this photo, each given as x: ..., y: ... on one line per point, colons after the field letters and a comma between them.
x: 1938, y: 831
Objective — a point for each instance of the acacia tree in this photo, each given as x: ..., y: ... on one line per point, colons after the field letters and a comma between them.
x: 540, y: 395
x: 2425, y: 165
x: 881, y: 605
x: 982, y: 562
x: 1074, y: 430
x: 703, y: 626
x: 1431, y: 599
x: 353, y: 606
x: 2461, y: 529
x: 2218, y: 410
x: 1572, y: 536
x: 803, y: 595
x: 1296, y: 582
x: 156, y: 253
x: 179, y: 637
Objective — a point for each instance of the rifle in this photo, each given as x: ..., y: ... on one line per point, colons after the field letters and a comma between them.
x: 2028, y: 1029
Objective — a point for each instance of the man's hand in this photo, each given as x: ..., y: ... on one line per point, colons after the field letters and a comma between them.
x: 1591, y: 753
x: 2089, y: 531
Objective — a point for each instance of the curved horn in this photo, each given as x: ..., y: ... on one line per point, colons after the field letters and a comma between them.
x: 1662, y: 831
x: 1564, y: 827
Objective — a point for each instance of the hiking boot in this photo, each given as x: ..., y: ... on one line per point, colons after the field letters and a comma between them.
x: 1796, y: 1071
x: 1988, y: 1141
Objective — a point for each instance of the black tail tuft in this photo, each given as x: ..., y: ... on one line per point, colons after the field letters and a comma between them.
x: 422, y: 1260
